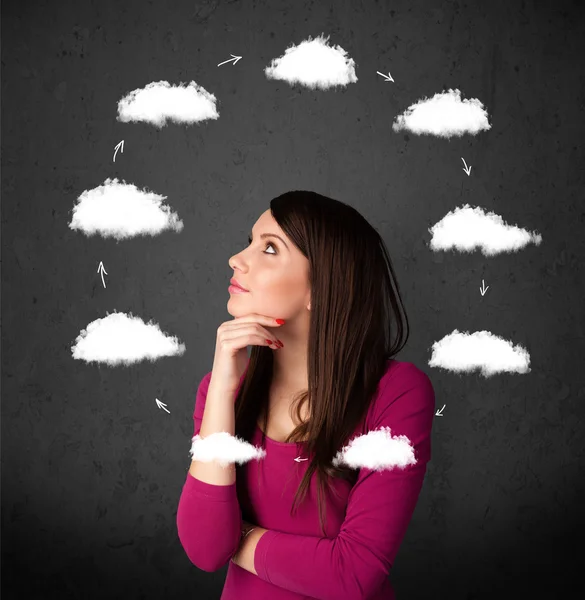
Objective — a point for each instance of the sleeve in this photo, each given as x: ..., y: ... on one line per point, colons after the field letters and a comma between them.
x: 355, y: 563
x: 208, y: 517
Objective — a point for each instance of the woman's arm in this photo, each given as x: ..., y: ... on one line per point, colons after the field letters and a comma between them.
x: 219, y: 415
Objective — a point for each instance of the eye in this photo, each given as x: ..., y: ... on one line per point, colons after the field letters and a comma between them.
x: 267, y: 244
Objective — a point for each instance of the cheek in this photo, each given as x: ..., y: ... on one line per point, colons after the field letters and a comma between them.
x: 280, y: 289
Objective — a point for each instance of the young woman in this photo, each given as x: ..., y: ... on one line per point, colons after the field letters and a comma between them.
x: 298, y: 523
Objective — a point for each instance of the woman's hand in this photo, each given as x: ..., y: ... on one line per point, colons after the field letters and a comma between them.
x: 244, y: 556
x: 231, y: 347
x: 246, y: 526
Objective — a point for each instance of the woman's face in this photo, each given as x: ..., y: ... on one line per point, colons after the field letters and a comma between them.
x: 275, y: 272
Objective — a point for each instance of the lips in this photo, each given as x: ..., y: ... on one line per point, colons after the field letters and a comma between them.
x: 236, y: 284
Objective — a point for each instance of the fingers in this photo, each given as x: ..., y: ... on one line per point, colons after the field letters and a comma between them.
x: 248, y: 330
x: 254, y: 318
x: 257, y: 336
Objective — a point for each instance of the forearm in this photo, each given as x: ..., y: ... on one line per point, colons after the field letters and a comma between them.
x: 218, y: 416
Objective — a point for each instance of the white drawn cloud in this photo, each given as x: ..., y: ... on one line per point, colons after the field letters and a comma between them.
x: 160, y: 101
x: 122, y: 339
x: 469, y: 228
x: 314, y: 64
x: 377, y: 450
x: 121, y: 210
x: 444, y: 115
x: 224, y: 449
x: 465, y: 352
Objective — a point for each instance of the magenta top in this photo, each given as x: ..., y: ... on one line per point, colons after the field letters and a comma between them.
x: 365, y: 525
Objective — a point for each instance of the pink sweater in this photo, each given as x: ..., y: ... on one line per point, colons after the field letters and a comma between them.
x: 365, y: 526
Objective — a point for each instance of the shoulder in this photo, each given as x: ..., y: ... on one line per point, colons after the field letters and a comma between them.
x: 401, y: 377
x: 403, y: 385
x: 405, y: 403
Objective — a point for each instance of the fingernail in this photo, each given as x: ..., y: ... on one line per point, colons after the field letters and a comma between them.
x: 280, y: 321
x: 281, y: 344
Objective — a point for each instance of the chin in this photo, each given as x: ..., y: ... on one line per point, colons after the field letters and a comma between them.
x: 234, y: 311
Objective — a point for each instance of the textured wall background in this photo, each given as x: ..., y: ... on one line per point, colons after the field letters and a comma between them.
x: 92, y: 470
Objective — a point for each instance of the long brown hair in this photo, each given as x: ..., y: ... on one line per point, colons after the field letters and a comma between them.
x: 353, y: 304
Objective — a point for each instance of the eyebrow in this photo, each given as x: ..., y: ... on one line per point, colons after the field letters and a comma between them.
x: 265, y: 235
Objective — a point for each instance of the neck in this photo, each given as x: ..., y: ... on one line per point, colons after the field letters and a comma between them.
x: 289, y: 370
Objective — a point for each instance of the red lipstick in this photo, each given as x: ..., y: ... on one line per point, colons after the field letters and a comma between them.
x: 236, y: 287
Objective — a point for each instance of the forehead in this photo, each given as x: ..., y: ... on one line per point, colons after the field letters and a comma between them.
x: 267, y: 223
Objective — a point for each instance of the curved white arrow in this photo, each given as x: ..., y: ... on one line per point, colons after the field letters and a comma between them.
x: 120, y: 145
x: 237, y: 58
x: 161, y: 405
x: 467, y: 169
x: 388, y: 77
x: 101, y: 267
